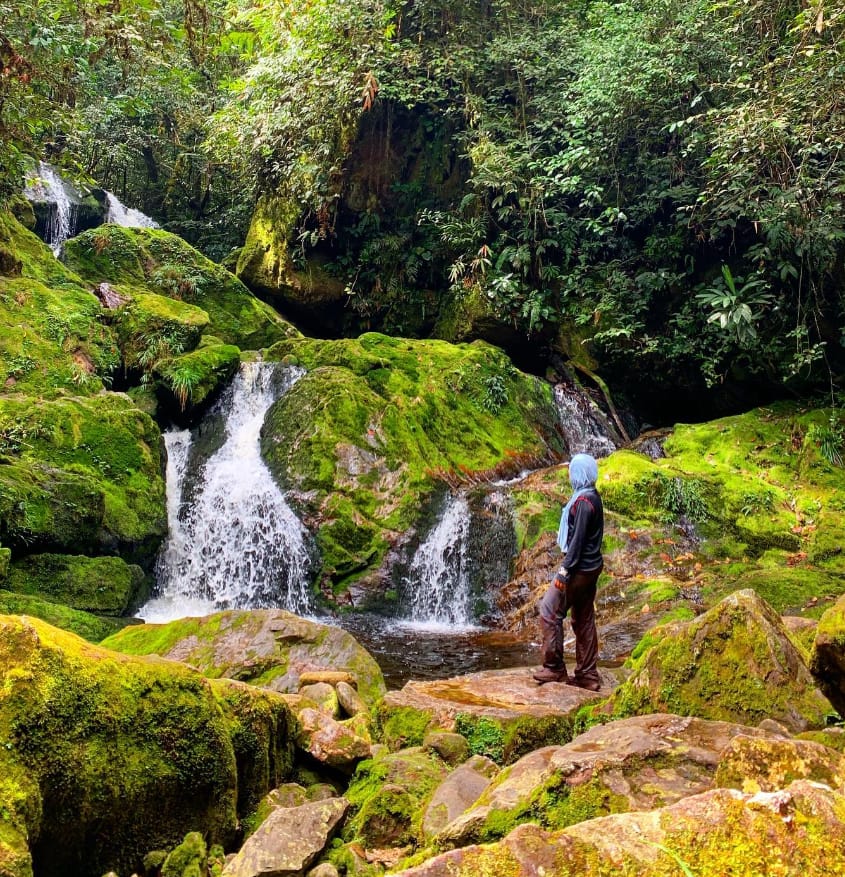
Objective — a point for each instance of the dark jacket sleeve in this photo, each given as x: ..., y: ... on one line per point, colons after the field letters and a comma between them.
x: 583, y: 512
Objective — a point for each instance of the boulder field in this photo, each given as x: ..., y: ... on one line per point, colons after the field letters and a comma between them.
x: 257, y: 743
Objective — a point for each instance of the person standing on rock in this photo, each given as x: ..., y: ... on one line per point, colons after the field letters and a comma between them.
x: 573, y: 588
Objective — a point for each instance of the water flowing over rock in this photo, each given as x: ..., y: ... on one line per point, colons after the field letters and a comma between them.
x: 238, y: 544
x: 585, y: 426
x: 128, y: 217
x: 438, y: 580
x: 58, y: 204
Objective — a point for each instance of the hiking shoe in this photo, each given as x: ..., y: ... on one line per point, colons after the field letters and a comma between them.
x: 588, y: 686
x: 547, y: 674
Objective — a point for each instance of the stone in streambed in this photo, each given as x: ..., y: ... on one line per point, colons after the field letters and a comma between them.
x: 349, y: 699
x: 330, y: 742
x: 460, y: 790
x: 452, y: 748
x: 289, y: 841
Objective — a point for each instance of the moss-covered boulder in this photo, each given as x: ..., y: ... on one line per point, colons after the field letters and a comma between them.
x: 269, y: 648
x: 104, y: 585
x: 827, y: 661
x: 82, y: 474
x: 388, y: 795
x: 189, y: 381
x: 107, y: 756
x: 377, y: 425
x: 52, y: 336
x: 188, y: 859
x: 795, y: 831
x: 766, y: 764
x: 141, y: 261
x: 735, y: 663
x: 85, y: 624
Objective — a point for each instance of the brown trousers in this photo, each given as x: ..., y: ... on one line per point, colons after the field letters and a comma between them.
x: 579, y: 599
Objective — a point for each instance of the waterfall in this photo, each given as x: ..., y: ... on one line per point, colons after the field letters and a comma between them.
x: 237, y: 544
x: 119, y: 214
x: 586, y: 428
x: 438, y: 578
x: 47, y: 187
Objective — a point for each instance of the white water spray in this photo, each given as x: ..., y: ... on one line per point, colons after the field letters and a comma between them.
x: 48, y: 187
x: 238, y: 545
x: 438, y: 577
x: 119, y: 214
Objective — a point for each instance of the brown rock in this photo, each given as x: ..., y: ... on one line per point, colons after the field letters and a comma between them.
x: 289, y: 840
x: 330, y: 742
x: 827, y: 662
x: 461, y: 789
x: 350, y: 701
x: 323, y: 695
x: 452, y: 748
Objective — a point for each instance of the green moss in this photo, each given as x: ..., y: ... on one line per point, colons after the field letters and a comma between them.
x: 507, y: 740
x: 188, y: 859
x: 140, y: 261
x: 371, y: 431
x: 106, y: 585
x: 264, y: 262
x: 402, y: 726
x: 86, y: 474
x: 193, y: 378
x: 91, y: 627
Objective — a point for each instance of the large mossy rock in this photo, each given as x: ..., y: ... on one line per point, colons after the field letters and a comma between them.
x: 827, y: 661
x: 108, y: 756
x: 139, y: 261
x: 795, y: 831
x: 388, y: 795
x: 269, y: 648
x: 735, y: 663
x: 377, y: 425
x: 85, y: 624
x: 82, y: 474
x: 104, y: 585
x: 52, y: 336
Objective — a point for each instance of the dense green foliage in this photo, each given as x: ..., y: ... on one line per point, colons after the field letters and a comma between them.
x: 661, y: 177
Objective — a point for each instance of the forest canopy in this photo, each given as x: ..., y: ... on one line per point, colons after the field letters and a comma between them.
x: 663, y: 178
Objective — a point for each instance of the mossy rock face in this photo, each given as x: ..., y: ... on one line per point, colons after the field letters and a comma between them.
x: 264, y: 263
x: 127, y: 754
x: 91, y: 627
x: 5, y: 562
x: 107, y: 585
x: 388, y: 795
x: 191, y: 381
x: 734, y: 663
x: 52, y: 335
x: 139, y: 261
x: 368, y: 435
x: 268, y: 648
x: 85, y: 474
x: 188, y: 859
x: 827, y: 661
x: 755, y: 764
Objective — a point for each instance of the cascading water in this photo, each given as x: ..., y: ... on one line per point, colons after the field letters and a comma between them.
x: 119, y: 214
x: 48, y: 187
x: 238, y: 544
x: 584, y: 425
x: 438, y: 578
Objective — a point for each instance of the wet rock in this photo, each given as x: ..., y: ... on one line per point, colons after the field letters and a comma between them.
x: 634, y: 764
x: 269, y: 647
x: 460, y: 790
x: 763, y: 764
x: 734, y: 663
x: 330, y: 742
x: 797, y: 829
x: 289, y: 841
x: 503, y: 713
x: 827, y: 661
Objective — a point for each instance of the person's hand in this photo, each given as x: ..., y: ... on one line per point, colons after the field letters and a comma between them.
x: 560, y: 582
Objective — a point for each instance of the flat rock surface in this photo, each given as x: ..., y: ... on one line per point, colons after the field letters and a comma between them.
x: 497, y: 694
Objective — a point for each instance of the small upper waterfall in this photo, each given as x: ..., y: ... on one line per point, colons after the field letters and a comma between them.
x: 586, y: 428
x: 438, y: 578
x: 119, y: 214
x: 47, y: 187
x: 237, y: 544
